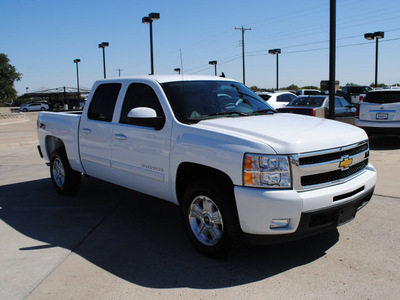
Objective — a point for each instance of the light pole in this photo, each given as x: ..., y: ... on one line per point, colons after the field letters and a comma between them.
x: 277, y: 52
x: 214, y: 63
x: 149, y: 20
x: 370, y: 36
x: 103, y: 45
x: 178, y: 70
x: 243, y: 60
x: 119, y: 71
x: 77, y: 74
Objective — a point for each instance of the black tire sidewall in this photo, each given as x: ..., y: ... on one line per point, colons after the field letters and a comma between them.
x: 72, y: 178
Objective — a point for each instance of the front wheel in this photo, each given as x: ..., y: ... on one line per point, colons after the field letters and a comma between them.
x: 65, y: 180
x: 210, y: 218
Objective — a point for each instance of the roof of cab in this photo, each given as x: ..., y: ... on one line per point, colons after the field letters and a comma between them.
x: 165, y: 78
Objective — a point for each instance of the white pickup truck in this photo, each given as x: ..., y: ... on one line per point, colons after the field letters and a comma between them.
x: 238, y: 169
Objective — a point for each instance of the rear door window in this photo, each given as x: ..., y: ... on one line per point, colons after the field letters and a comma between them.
x: 103, y: 103
x: 383, y: 97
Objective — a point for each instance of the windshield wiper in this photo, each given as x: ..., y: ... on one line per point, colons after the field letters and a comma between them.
x: 269, y: 111
x: 229, y: 113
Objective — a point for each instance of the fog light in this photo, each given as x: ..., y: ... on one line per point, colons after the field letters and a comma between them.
x: 279, y: 223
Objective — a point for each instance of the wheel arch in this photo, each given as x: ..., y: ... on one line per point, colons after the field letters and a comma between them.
x: 52, y: 144
x: 190, y: 172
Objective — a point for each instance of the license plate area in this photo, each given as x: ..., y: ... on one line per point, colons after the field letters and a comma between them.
x: 347, y: 214
x: 381, y: 116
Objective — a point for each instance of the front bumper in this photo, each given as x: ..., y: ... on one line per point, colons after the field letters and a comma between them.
x: 316, y: 222
x: 309, y: 211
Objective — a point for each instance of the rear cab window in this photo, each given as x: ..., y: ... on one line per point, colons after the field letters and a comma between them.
x: 285, y: 98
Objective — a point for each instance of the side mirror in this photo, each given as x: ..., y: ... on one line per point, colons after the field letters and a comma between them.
x: 146, y: 116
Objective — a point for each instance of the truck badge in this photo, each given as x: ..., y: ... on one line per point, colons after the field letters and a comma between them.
x: 345, y: 163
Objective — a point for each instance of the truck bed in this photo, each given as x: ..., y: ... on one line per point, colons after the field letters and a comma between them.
x: 60, y: 126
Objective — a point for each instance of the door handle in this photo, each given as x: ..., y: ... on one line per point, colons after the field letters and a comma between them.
x: 86, y: 131
x: 120, y: 137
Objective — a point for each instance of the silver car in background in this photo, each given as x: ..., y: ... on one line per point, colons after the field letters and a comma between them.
x: 33, y: 107
x: 379, y: 112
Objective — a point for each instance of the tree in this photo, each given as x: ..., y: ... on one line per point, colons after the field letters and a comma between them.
x: 8, y: 74
x: 292, y: 87
x: 380, y: 85
x: 254, y: 88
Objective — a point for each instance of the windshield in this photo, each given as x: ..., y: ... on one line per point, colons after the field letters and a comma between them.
x: 307, y: 101
x: 193, y: 101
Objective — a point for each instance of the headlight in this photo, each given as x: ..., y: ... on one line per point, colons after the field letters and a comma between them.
x: 269, y: 171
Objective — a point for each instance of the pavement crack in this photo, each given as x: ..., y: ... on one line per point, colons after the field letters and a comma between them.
x: 95, y: 227
x: 392, y: 197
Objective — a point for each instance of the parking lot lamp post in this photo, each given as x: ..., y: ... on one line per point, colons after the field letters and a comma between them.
x: 178, y: 70
x: 214, y: 63
x: 370, y: 36
x: 277, y: 52
x: 77, y: 74
x: 103, y: 45
x: 149, y: 20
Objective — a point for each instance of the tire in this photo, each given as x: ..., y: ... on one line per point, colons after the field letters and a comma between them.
x: 43, y: 109
x: 24, y: 110
x: 210, y: 218
x: 65, y: 180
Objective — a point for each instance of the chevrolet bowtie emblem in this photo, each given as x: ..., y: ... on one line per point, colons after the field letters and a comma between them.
x: 345, y: 163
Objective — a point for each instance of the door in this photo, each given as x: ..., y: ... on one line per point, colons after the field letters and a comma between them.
x: 95, y: 131
x: 140, y: 155
x: 340, y: 111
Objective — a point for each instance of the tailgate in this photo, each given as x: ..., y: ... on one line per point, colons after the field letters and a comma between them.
x: 380, y: 113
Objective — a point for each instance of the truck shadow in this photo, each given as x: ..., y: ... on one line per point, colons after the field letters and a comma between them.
x: 384, y: 142
x: 139, y: 238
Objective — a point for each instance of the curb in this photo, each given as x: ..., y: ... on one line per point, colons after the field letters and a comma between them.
x: 12, y: 116
x: 26, y: 144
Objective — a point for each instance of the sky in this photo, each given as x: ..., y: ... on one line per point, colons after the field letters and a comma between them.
x: 43, y: 37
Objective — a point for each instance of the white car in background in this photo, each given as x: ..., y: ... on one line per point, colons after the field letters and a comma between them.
x: 33, y: 107
x: 379, y: 112
x: 303, y: 92
x: 277, y: 99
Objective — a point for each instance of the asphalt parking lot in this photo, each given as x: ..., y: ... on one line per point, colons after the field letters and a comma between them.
x: 111, y: 243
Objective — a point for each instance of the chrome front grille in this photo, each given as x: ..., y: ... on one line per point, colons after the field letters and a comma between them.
x: 329, y: 167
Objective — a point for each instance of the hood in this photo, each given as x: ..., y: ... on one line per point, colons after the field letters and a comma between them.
x: 288, y: 133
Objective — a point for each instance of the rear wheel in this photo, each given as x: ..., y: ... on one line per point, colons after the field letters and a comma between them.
x: 65, y: 180
x: 210, y: 218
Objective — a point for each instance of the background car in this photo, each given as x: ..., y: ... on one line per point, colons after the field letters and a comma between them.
x: 303, y: 92
x: 354, y: 93
x: 277, y: 99
x: 318, y: 106
x: 33, y: 107
x: 379, y: 112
